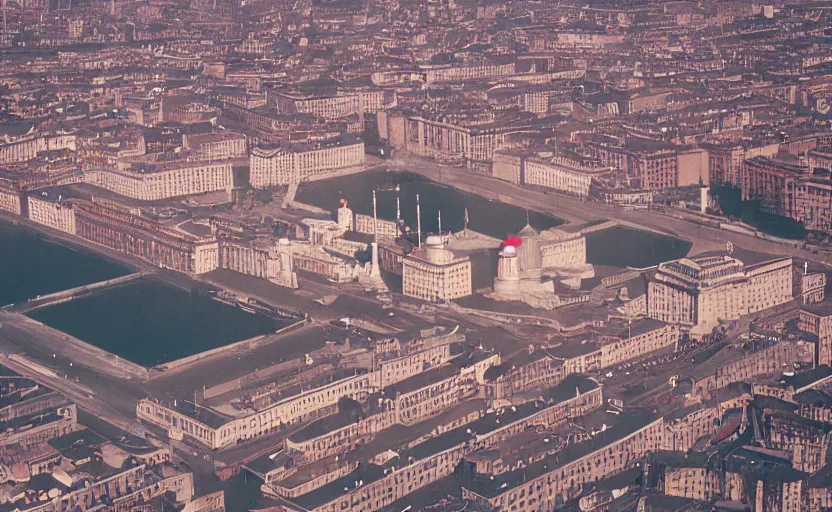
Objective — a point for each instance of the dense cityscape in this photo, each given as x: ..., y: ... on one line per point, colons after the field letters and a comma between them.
x: 415, y: 255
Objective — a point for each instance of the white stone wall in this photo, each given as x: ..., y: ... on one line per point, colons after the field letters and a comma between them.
x: 52, y: 214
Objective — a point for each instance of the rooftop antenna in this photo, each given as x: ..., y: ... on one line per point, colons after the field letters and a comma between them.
x: 398, y: 208
x: 466, y: 218
x: 418, y: 221
x: 527, y: 217
x: 440, y: 222
x: 805, y: 267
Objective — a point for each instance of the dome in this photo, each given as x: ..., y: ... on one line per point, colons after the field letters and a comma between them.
x: 527, y: 232
x: 509, y: 251
x: 433, y: 240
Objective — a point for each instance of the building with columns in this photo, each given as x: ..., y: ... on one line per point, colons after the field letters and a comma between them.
x: 703, y: 290
x: 790, y: 190
x: 332, y: 105
x: 216, y: 146
x: 774, y: 183
x: 271, y: 167
x: 559, y: 174
x: 452, y: 73
x: 128, y: 232
x: 434, y: 274
x: 52, y: 212
x: 162, y: 181
x: 650, y: 164
x: 544, y: 169
x: 455, y: 142
x: 259, y: 258
x: 10, y: 198
x: 28, y: 148
x: 450, y: 136
x: 552, y: 481
x: 817, y: 319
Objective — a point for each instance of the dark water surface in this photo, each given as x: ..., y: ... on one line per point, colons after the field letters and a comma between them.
x: 491, y: 218
x: 626, y: 247
x: 31, y: 265
x: 619, y: 246
x: 149, y: 322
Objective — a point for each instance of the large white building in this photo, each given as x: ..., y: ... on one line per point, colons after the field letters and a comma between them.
x: 28, y: 149
x: 10, y: 200
x: 281, y: 166
x: 334, y: 105
x: 553, y: 172
x: 703, y: 290
x: 435, y: 274
x: 216, y: 146
x: 260, y: 258
x: 471, y: 72
x: 218, y: 432
x: 171, y: 180
x: 52, y: 213
x: 557, y: 174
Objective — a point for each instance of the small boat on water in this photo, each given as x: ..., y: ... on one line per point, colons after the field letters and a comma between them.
x: 248, y: 309
x: 220, y: 299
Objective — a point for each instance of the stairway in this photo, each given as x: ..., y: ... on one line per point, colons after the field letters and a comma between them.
x: 289, y: 198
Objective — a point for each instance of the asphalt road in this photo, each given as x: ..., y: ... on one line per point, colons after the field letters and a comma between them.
x: 108, y: 398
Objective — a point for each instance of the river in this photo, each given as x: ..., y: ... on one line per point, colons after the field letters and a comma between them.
x: 32, y: 265
x: 485, y: 216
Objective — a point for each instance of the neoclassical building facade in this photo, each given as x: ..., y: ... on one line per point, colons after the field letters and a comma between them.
x: 705, y: 289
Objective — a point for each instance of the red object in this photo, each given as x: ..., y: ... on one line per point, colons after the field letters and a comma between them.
x: 514, y: 241
x: 728, y: 428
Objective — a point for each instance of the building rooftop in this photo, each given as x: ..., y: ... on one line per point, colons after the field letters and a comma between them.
x: 690, y: 459
x: 202, y: 414
x: 421, y: 380
x: 625, y: 425
x: 364, y: 474
x: 398, y: 437
x: 349, y: 411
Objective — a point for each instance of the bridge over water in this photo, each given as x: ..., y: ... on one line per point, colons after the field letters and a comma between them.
x: 43, y: 301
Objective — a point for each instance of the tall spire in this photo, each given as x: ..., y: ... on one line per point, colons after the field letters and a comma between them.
x: 440, y: 222
x: 418, y: 221
x: 398, y: 209
x: 375, y: 217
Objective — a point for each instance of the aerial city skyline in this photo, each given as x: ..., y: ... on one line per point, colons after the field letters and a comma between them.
x: 415, y: 255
